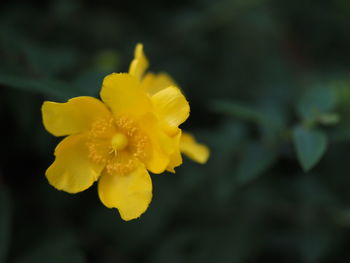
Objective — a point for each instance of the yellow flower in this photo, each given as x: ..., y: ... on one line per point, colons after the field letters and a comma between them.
x: 169, y: 106
x: 118, y: 139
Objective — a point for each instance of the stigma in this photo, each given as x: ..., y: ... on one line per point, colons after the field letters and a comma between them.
x: 119, y: 142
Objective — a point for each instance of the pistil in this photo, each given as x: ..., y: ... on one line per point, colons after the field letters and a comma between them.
x: 119, y: 141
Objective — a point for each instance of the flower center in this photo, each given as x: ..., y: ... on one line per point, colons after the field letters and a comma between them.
x: 119, y: 141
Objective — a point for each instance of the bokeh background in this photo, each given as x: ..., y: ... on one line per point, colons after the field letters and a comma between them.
x: 269, y: 88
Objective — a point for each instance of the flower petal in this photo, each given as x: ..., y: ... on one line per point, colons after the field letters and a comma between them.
x: 197, y: 152
x: 172, y: 108
x: 162, y: 145
x: 131, y: 193
x: 139, y: 64
x: 72, y: 171
x: 123, y: 95
x: 153, y: 83
x: 74, y: 116
x: 175, y: 157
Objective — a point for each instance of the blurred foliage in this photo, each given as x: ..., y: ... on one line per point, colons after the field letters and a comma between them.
x: 269, y: 87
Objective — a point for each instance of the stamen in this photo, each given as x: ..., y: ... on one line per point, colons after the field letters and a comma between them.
x: 118, y: 143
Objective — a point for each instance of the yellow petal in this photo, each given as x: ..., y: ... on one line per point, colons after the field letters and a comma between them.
x: 139, y: 64
x: 124, y: 96
x: 73, y: 116
x: 153, y: 83
x: 175, y: 157
x: 172, y: 108
x: 130, y: 193
x: 162, y: 145
x: 72, y: 171
x: 197, y: 152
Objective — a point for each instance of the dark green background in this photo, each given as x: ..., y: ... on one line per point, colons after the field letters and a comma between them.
x: 269, y: 88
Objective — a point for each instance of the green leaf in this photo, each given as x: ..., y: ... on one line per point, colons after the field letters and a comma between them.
x: 329, y: 119
x: 52, y: 88
x: 310, y: 145
x: 239, y: 110
x: 5, y: 224
x: 269, y: 118
x: 255, y: 160
x: 49, y: 61
x: 316, y: 101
